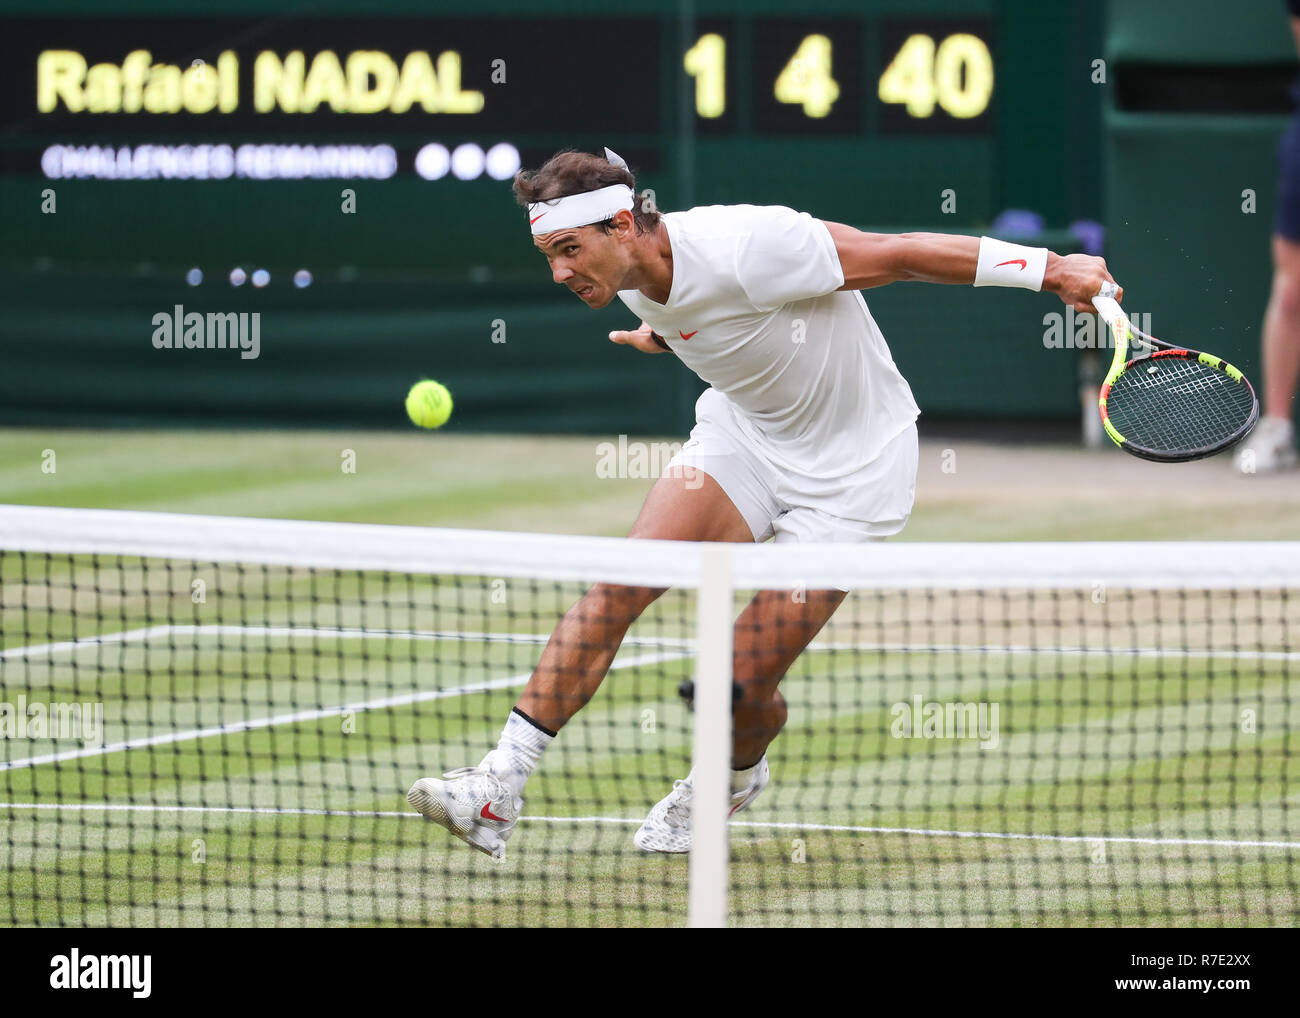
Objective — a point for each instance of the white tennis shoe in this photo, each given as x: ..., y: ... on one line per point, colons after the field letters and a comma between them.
x: 668, y: 827
x: 1270, y: 447
x: 473, y: 803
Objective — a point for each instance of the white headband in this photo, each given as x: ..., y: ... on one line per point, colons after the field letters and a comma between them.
x: 582, y: 209
x: 579, y: 209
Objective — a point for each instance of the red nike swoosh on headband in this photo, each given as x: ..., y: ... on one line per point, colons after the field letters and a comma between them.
x: 1013, y: 261
x: 686, y: 335
x: 487, y: 814
x: 531, y: 221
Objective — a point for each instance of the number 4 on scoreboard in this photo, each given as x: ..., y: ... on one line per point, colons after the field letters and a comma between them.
x: 806, y: 79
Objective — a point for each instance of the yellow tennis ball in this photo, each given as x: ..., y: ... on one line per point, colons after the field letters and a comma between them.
x: 428, y: 404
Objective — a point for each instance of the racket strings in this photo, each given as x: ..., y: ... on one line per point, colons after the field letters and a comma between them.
x: 1183, y: 405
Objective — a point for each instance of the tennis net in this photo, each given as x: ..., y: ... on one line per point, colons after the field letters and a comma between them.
x: 213, y: 722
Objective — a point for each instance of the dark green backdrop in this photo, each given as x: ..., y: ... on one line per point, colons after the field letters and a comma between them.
x: 413, y: 284
x: 1190, y: 253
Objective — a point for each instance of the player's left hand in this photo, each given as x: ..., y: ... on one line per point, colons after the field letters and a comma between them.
x: 1077, y: 278
x: 642, y: 339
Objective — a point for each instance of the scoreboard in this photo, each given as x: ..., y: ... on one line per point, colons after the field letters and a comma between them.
x: 380, y: 140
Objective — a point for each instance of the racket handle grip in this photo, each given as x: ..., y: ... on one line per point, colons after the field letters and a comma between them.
x: 1112, y: 314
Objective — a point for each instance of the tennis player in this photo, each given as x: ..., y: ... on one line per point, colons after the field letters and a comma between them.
x: 806, y: 433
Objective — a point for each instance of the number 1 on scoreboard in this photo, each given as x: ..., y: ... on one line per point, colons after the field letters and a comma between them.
x: 706, y: 62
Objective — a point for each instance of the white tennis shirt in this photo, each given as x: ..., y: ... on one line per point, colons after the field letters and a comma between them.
x: 756, y: 311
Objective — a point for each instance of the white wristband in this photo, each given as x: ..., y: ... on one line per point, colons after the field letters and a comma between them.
x: 1003, y: 264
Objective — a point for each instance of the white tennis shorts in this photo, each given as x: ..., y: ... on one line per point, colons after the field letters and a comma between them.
x: 869, y: 504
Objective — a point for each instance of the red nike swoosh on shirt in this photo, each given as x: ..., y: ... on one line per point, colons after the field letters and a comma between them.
x: 1013, y: 261
x: 686, y: 335
x: 487, y: 814
x: 531, y: 221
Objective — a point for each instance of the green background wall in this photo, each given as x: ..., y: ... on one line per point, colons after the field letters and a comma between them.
x: 1191, y: 255
x: 410, y: 291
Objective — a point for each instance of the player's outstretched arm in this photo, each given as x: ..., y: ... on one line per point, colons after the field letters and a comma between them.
x: 877, y: 259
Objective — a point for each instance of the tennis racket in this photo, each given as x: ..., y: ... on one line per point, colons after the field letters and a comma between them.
x: 1166, y: 403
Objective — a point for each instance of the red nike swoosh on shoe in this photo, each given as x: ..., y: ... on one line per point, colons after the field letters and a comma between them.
x: 487, y: 814
x: 1013, y: 261
x: 686, y: 335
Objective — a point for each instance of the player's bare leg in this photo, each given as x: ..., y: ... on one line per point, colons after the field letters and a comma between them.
x: 679, y: 508
x: 770, y: 634
x: 1282, y: 331
x: 1271, y: 446
x: 481, y: 804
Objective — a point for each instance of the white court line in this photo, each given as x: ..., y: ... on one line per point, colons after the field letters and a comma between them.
x: 112, y: 807
x: 402, y: 700
x: 757, y: 825
x: 1114, y: 840
x: 1013, y: 649
x: 150, y: 632
x: 45, y: 649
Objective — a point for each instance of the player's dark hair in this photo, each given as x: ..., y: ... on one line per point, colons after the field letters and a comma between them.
x: 570, y: 172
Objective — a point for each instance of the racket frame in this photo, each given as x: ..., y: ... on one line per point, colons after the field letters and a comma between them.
x: 1123, y: 332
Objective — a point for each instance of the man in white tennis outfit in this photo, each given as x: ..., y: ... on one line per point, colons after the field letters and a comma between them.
x: 806, y: 433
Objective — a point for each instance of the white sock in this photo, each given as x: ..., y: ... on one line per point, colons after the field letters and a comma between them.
x: 740, y: 780
x: 521, y: 746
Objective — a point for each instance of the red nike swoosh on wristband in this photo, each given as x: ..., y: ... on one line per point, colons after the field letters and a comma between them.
x: 487, y: 814
x: 531, y: 221
x: 1013, y: 261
